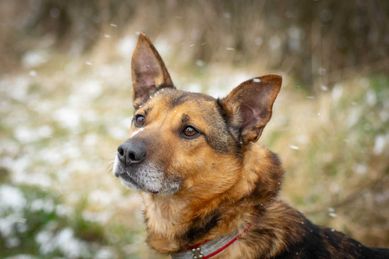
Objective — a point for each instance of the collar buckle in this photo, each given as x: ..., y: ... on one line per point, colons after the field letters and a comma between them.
x: 197, y: 253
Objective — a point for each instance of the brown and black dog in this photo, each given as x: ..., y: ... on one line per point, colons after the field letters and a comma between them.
x: 208, y: 189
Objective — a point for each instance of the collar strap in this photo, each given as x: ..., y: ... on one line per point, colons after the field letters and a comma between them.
x: 211, y: 248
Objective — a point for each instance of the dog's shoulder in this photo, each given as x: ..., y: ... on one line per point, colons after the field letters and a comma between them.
x: 317, y: 242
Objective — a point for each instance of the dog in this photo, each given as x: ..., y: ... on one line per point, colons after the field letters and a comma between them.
x: 209, y: 190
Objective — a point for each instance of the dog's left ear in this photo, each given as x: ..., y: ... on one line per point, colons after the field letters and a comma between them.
x: 249, y: 106
x: 148, y: 71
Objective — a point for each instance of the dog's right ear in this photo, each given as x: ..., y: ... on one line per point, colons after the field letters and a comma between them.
x: 148, y: 71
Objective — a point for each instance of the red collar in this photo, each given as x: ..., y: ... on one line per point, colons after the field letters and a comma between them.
x: 208, y: 249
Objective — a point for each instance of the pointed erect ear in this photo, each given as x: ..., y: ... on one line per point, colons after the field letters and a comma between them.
x: 148, y: 71
x: 249, y: 106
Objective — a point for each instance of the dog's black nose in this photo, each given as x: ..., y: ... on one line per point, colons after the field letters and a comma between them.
x: 132, y: 152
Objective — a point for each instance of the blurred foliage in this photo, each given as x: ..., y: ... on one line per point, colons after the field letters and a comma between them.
x: 316, y: 41
x: 36, y: 222
x: 337, y: 160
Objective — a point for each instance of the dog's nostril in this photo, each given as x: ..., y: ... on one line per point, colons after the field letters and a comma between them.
x: 136, y: 156
x: 132, y: 156
x: 121, y: 151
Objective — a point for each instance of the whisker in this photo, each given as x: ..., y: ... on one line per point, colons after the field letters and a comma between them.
x: 109, y: 166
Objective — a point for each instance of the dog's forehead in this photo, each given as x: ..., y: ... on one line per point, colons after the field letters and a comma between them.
x: 172, y: 98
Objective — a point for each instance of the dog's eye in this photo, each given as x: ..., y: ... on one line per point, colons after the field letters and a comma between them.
x: 139, y: 120
x: 190, y: 132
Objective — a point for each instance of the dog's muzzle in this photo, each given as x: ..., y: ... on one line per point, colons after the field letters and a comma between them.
x: 136, y: 169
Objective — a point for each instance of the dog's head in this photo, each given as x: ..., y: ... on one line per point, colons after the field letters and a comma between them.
x: 183, y: 142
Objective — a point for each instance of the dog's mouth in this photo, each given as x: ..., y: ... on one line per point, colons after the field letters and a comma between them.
x: 146, y: 177
x: 131, y: 182
x: 127, y: 179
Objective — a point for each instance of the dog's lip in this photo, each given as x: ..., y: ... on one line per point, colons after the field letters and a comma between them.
x: 125, y: 176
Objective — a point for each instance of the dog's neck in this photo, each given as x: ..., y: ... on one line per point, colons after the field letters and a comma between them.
x: 174, y: 223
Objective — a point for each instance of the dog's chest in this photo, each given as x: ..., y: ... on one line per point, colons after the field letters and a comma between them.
x: 162, y: 217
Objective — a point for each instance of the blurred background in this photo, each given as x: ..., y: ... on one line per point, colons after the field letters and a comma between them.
x: 65, y: 105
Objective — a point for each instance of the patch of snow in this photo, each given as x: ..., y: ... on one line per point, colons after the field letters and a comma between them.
x: 117, y: 133
x: 11, y: 197
x: 360, y: 169
x: 90, y: 140
x: 125, y: 46
x: 337, y: 92
x: 371, y: 98
x: 34, y: 58
x: 193, y: 87
x: 64, y: 241
x: 16, y: 88
x: 33, y: 73
x: 101, y: 217
x: 22, y: 256
x: 44, y: 131
x: 302, y: 139
x: 227, y: 15
x: 104, y: 253
x: 63, y: 210
x: 163, y: 46
x: 12, y: 241
x: 294, y: 41
x: 86, y: 90
x: 275, y: 43
x: 379, y: 144
x: 101, y: 197
x: 45, y: 205
x: 331, y: 212
x: 67, y: 117
x: 200, y: 63
x: 8, y: 224
x: 26, y: 135
x: 353, y: 117
x: 41, y: 179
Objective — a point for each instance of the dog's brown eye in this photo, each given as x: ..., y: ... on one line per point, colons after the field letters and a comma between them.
x: 139, y: 120
x: 190, y: 132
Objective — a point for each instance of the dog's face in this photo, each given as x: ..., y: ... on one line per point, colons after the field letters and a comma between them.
x: 182, y: 142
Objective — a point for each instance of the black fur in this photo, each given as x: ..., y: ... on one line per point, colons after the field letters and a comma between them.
x: 323, y: 243
x: 201, y: 227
